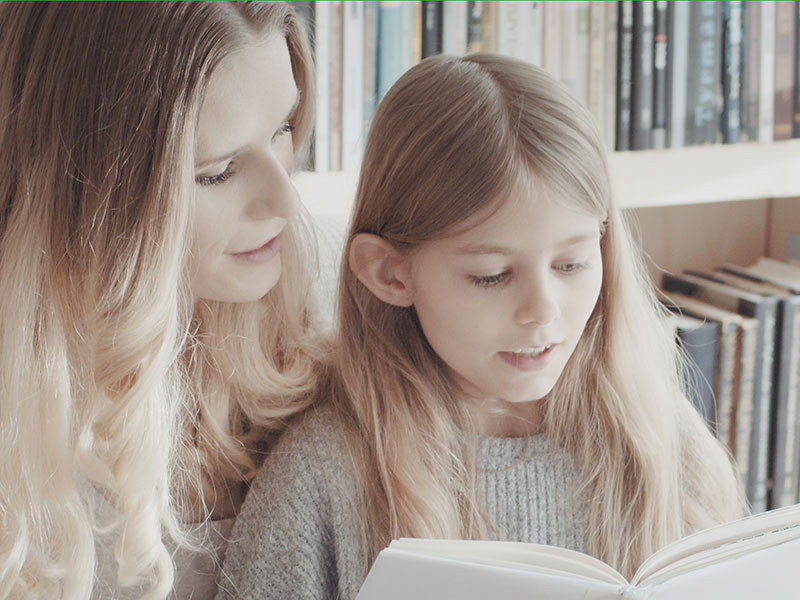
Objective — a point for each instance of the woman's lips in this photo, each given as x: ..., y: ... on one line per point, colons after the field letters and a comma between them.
x: 262, y: 254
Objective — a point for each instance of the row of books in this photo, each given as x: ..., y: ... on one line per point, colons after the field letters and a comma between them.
x: 740, y: 327
x: 654, y: 74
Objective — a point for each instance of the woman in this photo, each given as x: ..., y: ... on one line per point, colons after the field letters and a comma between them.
x: 154, y: 323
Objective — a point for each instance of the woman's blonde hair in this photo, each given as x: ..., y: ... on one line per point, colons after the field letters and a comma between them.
x: 109, y: 373
x: 453, y: 137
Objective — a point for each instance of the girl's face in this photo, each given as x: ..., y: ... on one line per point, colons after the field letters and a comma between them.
x: 243, y: 160
x: 505, y: 302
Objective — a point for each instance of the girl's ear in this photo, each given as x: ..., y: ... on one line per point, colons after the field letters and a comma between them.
x: 381, y: 268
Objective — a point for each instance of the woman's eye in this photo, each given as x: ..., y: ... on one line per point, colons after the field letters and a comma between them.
x: 287, y: 127
x: 489, y: 280
x: 215, y: 179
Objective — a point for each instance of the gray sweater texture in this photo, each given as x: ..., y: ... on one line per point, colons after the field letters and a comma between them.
x: 298, y: 535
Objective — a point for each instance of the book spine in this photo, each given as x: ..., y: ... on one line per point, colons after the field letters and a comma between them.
x: 766, y: 89
x: 796, y: 108
x: 336, y: 69
x: 352, y: 85
x: 412, y: 33
x: 642, y: 77
x: 785, y: 422
x: 751, y: 70
x: 474, y: 40
x: 661, y: 43
x: 678, y: 77
x: 726, y: 384
x: 784, y: 70
x: 489, y: 27
x: 759, y: 461
x: 743, y: 417
x: 732, y: 82
x: 455, y: 27
x: 322, y: 126
x: 705, y: 103
x: 510, y: 29
x: 597, y: 48
x: 624, y: 72
x: 551, y: 38
x: 610, y: 70
x: 431, y: 28
x: 533, y: 17
x: 370, y: 45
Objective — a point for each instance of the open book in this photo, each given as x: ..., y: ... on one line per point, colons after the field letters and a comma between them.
x: 754, y: 557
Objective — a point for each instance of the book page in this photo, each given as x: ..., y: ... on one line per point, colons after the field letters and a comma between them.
x: 516, y: 555
x: 720, y: 542
x: 403, y: 575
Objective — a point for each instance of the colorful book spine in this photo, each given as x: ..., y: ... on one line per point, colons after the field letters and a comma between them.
x: 432, y: 11
x: 661, y: 44
x: 678, y: 75
x: 751, y: 70
x: 784, y: 69
x: 732, y: 71
x: 624, y: 75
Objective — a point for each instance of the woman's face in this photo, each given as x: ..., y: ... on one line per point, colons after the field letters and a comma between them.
x: 243, y: 159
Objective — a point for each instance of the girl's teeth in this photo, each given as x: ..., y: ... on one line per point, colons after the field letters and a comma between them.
x: 530, y: 352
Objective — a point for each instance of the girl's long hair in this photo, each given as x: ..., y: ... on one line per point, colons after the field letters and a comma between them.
x: 452, y: 138
x: 109, y: 375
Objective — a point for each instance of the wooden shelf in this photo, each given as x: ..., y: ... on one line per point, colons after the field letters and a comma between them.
x: 694, y: 175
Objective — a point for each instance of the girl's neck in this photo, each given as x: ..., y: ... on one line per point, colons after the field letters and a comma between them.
x: 498, y: 418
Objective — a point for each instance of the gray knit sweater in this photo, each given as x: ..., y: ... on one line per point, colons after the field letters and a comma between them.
x: 298, y: 534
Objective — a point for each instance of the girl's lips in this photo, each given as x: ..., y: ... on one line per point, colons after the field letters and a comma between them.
x: 261, y: 254
x: 529, y: 363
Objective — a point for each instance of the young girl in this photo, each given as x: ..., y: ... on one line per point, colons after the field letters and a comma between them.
x: 146, y: 213
x: 502, y: 368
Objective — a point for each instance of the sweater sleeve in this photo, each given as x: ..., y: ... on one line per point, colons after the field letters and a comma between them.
x: 288, y: 542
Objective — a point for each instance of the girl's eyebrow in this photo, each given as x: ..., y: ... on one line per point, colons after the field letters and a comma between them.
x: 507, y: 250
x: 229, y: 155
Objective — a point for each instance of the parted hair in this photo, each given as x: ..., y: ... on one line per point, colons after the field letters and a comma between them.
x: 112, y: 376
x: 452, y: 138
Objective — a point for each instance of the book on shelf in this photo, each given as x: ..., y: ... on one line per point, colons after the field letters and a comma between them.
x: 336, y: 74
x: 475, y: 12
x: 455, y: 27
x: 785, y: 22
x: 661, y: 43
x: 733, y: 376
x: 705, y: 67
x: 574, y: 40
x: 431, y: 27
x: 322, y: 53
x: 624, y: 75
x: 751, y: 70
x: 699, y: 341
x: 766, y: 90
x: 752, y: 557
x: 764, y: 310
x: 796, y: 91
x: 785, y: 422
x: 732, y: 29
x: 642, y: 75
x: 353, y: 53
x: 677, y: 75
x: 609, y: 120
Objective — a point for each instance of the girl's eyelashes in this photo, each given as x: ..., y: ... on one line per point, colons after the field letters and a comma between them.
x: 490, y: 280
x: 287, y: 127
x: 215, y: 179
x: 570, y: 268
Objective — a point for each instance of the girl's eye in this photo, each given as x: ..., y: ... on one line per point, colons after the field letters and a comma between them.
x: 284, y: 129
x: 570, y: 268
x: 215, y: 179
x: 489, y: 280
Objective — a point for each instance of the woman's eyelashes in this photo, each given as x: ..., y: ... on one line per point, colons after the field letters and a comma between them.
x: 217, y: 178
x: 228, y: 171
